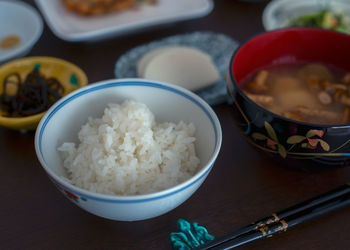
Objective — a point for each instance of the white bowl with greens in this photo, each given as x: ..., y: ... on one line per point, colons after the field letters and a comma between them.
x: 334, y: 15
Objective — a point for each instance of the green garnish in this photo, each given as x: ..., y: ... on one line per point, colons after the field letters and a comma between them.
x: 325, y: 18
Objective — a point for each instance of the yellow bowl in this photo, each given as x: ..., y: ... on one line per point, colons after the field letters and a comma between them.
x: 69, y: 75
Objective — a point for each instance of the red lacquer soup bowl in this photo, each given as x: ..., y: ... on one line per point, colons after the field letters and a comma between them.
x: 288, y: 139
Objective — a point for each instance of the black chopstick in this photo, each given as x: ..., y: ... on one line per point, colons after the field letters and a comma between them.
x: 283, y: 225
x: 310, y: 209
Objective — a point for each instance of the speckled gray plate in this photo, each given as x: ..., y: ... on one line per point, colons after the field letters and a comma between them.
x: 220, y: 47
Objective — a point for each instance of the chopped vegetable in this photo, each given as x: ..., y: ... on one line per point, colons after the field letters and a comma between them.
x: 325, y: 18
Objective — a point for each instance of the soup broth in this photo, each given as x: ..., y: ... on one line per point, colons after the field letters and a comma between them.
x: 308, y: 92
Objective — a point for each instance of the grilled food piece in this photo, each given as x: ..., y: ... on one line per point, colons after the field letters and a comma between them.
x: 101, y: 7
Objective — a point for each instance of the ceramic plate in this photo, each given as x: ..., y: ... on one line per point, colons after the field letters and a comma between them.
x: 219, y: 46
x: 23, y: 21
x: 71, y: 27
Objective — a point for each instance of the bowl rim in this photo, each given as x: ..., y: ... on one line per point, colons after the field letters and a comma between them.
x: 27, y: 45
x: 260, y: 108
x: 133, y: 82
x: 13, y: 121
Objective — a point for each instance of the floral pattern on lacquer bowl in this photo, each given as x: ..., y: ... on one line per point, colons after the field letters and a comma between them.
x: 288, y: 140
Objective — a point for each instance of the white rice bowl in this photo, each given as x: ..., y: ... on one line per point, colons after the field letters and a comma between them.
x: 169, y: 103
x: 127, y: 153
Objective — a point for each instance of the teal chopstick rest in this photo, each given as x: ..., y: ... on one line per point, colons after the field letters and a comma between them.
x: 189, y: 236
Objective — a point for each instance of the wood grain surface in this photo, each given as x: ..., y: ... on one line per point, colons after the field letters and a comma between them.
x: 243, y: 186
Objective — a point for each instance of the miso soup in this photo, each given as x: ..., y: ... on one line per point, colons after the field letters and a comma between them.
x: 312, y: 92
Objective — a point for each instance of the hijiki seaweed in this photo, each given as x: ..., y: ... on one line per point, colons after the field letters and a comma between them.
x: 34, y: 95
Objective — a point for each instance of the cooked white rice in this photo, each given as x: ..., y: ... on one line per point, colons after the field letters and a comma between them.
x: 126, y: 152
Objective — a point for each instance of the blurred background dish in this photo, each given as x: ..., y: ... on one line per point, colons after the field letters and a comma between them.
x: 20, y: 28
x: 102, y: 7
x: 318, y: 13
x: 73, y: 27
x: 69, y: 75
x: 218, y: 46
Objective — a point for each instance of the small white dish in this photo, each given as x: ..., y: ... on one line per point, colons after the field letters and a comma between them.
x: 19, y: 19
x: 74, y: 28
x: 278, y: 13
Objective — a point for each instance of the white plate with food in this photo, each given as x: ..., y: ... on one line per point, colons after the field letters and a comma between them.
x: 20, y: 28
x: 77, y: 23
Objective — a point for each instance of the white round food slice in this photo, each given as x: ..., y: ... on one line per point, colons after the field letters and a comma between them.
x: 146, y: 58
x: 184, y: 66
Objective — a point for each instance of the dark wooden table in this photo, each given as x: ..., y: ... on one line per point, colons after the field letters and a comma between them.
x: 242, y: 187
